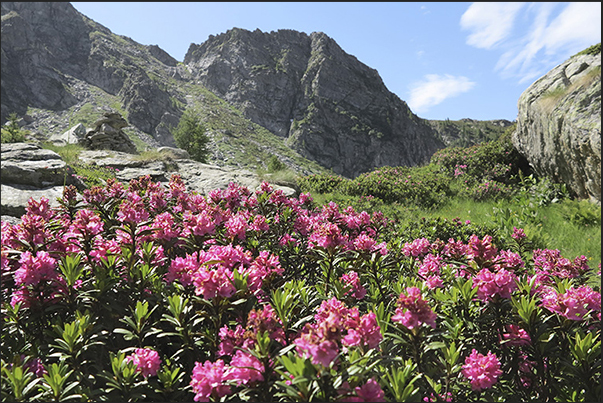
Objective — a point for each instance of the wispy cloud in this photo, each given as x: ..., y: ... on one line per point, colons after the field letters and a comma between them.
x: 434, y: 89
x: 490, y: 23
x: 550, y: 33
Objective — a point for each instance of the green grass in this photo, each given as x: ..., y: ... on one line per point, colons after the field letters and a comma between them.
x: 573, y: 227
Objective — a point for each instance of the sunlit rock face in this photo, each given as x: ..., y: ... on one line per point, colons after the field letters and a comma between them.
x: 559, y: 125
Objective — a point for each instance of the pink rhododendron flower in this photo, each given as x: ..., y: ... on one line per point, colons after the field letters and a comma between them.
x: 481, y: 251
x: 288, y: 240
x: 417, y: 248
x: 245, y: 368
x: 213, y: 283
x: 236, y: 226
x: 434, y: 281
x: 229, y: 339
x: 518, y: 234
x: 87, y: 223
x: 326, y: 235
x: 352, y: 280
x: 510, y: 260
x: 551, y: 262
x: 481, y: 370
x: 265, y: 320
x: 198, y: 224
x: 516, y: 336
x: 574, y: 304
x: 442, y: 398
x: 147, y: 361
x: 35, y: 366
x: 208, y: 379
x: 412, y: 310
x: 34, y: 269
x: 163, y: 224
x: 366, y: 331
x: 491, y: 285
x: 370, y: 392
x: 132, y: 210
x: 261, y: 269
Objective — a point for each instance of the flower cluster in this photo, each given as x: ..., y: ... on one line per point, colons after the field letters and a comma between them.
x: 147, y: 361
x: 336, y: 325
x: 412, y: 310
x: 481, y: 370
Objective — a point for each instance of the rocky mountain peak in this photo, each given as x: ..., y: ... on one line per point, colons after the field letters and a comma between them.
x: 328, y: 106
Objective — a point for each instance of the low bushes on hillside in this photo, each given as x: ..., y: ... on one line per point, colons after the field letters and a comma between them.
x: 150, y: 293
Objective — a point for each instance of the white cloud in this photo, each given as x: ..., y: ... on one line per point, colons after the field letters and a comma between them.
x: 490, y: 23
x: 550, y: 33
x: 434, y: 89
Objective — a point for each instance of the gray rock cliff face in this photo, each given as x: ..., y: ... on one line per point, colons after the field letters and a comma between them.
x: 329, y: 106
x: 49, y: 48
x: 559, y: 125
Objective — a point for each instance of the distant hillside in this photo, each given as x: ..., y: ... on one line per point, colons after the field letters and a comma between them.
x: 287, y: 94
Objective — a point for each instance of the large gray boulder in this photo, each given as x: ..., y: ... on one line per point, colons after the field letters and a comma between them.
x: 30, y: 171
x: 28, y: 164
x: 559, y: 125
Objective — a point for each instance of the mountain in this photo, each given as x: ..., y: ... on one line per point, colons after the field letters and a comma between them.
x: 287, y: 94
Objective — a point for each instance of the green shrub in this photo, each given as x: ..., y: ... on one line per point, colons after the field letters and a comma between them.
x: 420, y: 186
x: 191, y: 135
x: 495, y: 160
x: 321, y: 183
x: 11, y: 132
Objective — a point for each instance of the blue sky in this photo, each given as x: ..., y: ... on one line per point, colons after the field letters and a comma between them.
x: 446, y: 60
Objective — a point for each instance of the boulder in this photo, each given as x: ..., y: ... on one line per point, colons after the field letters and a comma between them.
x: 107, y: 135
x: 15, y: 198
x: 72, y: 136
x: 28, y: 164
x: 559, y: 125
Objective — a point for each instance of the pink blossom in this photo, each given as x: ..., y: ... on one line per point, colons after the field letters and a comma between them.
x: 510, y: 260
x: 287, y: 240
x: 236, y: 226
x: 262, y: 268
x: 183, y: 269
x: 492, y: 285
x: 213, y: 283
x: 352, y: 280
x: 132, y: 210
x: 245, y: 368
x: 431, y: 265
x: 366, y: 332
x: 35, y: 366
x: 574, y: 304
x: 104, y: 248
x: 229, y: 339
x: 197, y: 224
x: 412, y: 310
x: 417, y: 248
x: 326, y: 235
x: 163, y: 224
x: 87, y: 223
x: 147, y: 361
x: 370, y: 392
x: 481, y: 250
x: 208, y: 380
x: 516, y: 336
x: 34, y: 269
x: 266, y: 320
x: 518, y: 234
x: 482, y: 371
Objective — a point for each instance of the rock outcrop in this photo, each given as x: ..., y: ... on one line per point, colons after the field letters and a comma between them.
x: 328, y: 106
x: 30, y: 171
x: 559, y: 125
x: 107, y: 135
